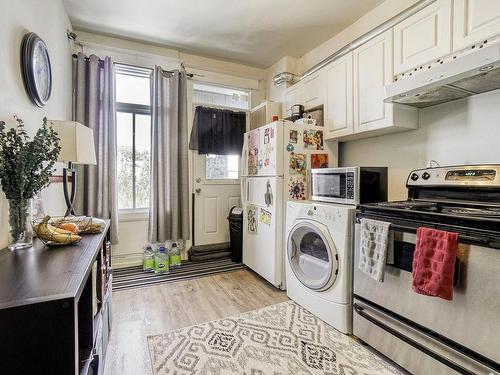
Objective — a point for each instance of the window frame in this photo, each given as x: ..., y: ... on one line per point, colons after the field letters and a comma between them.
x: 248, y: 92
x: 134, y: 110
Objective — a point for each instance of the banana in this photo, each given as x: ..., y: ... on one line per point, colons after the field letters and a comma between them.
x: 48, y: 232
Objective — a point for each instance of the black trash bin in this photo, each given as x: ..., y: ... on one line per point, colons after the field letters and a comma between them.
x: 236, y: 233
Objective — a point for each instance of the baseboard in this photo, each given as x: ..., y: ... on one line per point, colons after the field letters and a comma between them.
x: 126, y: 260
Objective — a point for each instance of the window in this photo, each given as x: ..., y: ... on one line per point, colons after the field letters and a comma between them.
x: 133, y: 122
x: 221, y: 167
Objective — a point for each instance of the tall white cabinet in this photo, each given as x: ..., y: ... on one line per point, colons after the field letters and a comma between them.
x: 339, y: 98
x: 474, y: 21
x: 372, y: 71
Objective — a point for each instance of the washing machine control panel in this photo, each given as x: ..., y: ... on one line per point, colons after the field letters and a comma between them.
x: 321, y: 214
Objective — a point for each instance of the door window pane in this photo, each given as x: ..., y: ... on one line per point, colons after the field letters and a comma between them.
x: 124, y: 134
x: 142, y: 155
x: 221, y: 167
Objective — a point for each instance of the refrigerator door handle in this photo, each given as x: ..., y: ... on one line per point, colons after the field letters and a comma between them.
x: 268, y: 196
x: 247, y: 191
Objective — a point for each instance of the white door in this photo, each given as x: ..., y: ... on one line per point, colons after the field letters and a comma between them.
x: 339, y: 99
x: 372, y: 71
x: 423, y: 37
x: 216, y: 189
x: 474, y: 21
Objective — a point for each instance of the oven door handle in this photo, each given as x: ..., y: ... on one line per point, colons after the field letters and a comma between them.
x: 360, y: 310
x: 479, y: 240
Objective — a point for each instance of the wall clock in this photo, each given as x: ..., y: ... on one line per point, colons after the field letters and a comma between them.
x: 35, y: 66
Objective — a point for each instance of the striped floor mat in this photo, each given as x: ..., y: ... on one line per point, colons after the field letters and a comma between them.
x: 134, y: 277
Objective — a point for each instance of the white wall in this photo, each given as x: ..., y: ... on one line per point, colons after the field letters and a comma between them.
x: 461, y: 132
x: 49, y: 20
x: 285, y: 64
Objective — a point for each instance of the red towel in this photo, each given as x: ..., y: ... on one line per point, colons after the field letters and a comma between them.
x: 434, y: 262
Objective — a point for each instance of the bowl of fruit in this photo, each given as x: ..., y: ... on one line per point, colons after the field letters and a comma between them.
x: 57, y: 234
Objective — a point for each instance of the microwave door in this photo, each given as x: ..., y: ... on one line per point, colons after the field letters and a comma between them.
x: 329, y: 186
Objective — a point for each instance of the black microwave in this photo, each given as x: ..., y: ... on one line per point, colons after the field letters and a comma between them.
x: 350, y: 185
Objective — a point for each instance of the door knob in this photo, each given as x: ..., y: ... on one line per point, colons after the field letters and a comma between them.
x: 198, y: 190
x: 198, y: 180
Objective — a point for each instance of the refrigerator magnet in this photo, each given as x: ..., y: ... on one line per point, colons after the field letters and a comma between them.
x: 319, y: 160
x: 290, y: 147
x: 313, y: 139
x: 297, y: 187
x: 267, y: 136
x: 252, y: 219
x: 293, y: 136
x: 265, y: 217
x: 298, y: 163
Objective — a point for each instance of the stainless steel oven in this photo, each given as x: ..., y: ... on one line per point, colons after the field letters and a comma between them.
x: 428, y: 335
x: 351, y: 185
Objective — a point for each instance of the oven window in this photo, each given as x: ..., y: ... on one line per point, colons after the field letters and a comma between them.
x: 330, y: 185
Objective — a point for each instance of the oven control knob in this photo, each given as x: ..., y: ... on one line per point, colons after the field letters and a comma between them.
x: 426, y: 176
x: 414, y: 177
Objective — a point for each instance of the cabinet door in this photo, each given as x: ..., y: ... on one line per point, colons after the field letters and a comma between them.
x: 372, y: 71
x: 313, y: 91
x: 338, y: 102
x: 423, y: 37
x: 474, y: 21
x: 291, y: 97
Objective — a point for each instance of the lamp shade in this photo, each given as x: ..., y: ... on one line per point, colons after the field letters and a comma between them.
x: 76, y: 141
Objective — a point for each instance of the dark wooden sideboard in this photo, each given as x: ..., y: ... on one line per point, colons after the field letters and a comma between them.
x: 55, y: 307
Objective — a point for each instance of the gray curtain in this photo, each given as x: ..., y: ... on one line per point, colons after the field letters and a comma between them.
x: 169, y: 203
x: 94, y: 106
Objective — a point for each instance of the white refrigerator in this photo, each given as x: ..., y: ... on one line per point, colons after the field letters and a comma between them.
x: 275, y: 167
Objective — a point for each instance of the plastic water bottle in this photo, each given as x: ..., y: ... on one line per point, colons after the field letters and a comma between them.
x: 175, y: 255
x: 148, y: 259
x: 161, y: 261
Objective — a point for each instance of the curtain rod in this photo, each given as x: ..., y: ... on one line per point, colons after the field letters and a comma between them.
x: 189, y: 75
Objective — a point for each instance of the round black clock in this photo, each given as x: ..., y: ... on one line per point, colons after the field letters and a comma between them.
x: 35, y: 65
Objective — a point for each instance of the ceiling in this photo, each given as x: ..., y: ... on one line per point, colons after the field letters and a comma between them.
x: 253, y: 32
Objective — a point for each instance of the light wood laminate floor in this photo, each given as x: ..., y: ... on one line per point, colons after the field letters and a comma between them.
x: 138, y: 313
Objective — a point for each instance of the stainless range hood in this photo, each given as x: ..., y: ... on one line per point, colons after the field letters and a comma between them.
x: 463, y: 76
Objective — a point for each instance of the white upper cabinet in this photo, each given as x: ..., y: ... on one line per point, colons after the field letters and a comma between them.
x: 372, y: 71
x: 339, y: 98
x: 313, y: 89
x: 474, y: 21
x: 291, y: 97
x: 423, y: 37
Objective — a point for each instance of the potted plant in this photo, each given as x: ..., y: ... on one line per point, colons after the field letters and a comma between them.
x: 25, y: 168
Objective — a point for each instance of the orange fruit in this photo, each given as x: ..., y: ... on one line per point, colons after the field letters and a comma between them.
x: 72, y: 227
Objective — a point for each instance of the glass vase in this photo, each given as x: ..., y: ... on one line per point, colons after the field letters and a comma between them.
x: 21, y: 231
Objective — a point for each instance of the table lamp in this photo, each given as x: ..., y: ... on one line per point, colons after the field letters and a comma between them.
x: 77, y: 147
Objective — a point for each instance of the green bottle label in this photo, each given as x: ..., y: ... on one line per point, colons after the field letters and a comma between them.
x: 148, y: 264
x: 175, y: 260
x: 162, y: 266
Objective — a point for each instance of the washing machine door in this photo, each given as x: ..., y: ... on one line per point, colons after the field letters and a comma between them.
x: 312, y: 255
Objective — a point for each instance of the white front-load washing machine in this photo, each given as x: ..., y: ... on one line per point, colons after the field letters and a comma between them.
x: 319, y: 260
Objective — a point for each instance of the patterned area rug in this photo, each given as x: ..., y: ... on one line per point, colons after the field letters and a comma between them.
x: 278, y: 339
